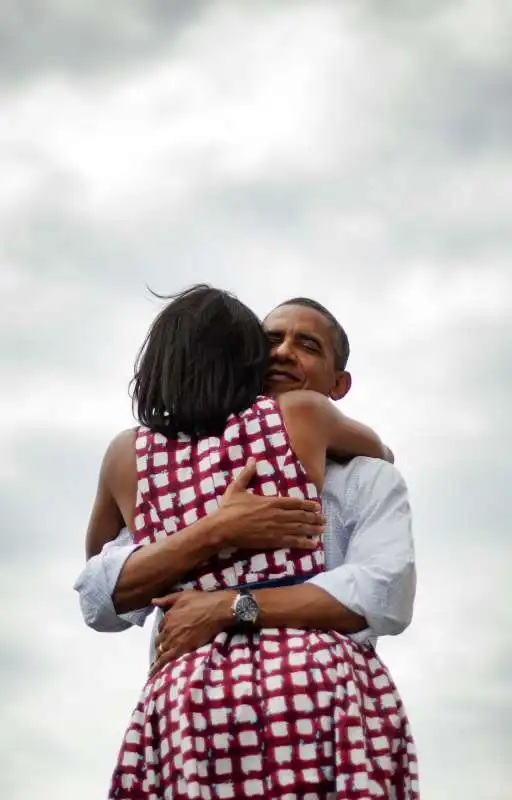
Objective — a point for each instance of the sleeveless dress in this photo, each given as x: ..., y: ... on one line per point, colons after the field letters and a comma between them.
x: 281, y: 714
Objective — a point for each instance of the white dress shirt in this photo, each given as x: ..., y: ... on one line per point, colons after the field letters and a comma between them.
x: 369, y: 554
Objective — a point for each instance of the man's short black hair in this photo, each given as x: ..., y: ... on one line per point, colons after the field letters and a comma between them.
x: 339, y: 338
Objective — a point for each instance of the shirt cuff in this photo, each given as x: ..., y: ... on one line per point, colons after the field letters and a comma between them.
x: 95, y: 586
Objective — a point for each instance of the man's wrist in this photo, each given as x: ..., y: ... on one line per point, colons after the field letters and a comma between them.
x: 213, y: 533
x: 222, y: 527
x: 224, y: 611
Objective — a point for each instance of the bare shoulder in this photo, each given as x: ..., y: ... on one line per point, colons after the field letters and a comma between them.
x: 123, y: 440
x: 121, y: 447
x: 303, y: 399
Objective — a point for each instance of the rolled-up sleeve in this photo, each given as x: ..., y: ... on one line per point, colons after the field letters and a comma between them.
x: 96, y: 583
x: 378, y: 576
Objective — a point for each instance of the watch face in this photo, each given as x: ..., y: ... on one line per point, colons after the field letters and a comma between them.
x: 246, y: 608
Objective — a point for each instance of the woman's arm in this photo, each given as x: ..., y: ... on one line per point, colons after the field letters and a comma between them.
x: 105, y: 521
x: 315, y: 427
x: 347, y: 437
x: 115, y: 497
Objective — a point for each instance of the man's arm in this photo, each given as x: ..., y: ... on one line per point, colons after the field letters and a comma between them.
x: 117, y: 585
x: 124, y: 578
x: 374, y: 589
x: 195, y: 618
x: 378, y: 576
x: 243, y: 519
x: 96, y: 583
x: 371, y: 593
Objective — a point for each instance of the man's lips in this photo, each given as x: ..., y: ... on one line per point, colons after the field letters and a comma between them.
x: 281, y: 375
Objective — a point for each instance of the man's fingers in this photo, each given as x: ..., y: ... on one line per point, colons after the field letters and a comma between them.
x: 241, y: 483
x: 296, y: 504
x: 164, y: 651
x: 169, y: 653
x: 160, y: 640
x: 302, y: 543
x: 160, y: 662
x: 300, y: 521
x: 300, y: 538
x: 166, y: 601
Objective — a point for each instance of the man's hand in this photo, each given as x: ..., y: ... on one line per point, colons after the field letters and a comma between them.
x: 243, y: 520
x: 193, y: 619
x: 258, y: 522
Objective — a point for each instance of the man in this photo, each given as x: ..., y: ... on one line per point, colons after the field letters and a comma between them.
x: 369, y: 584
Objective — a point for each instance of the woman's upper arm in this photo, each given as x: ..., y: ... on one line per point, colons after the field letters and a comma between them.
x: 313, y: 419
x: 107, y: 518
x: 306, y: 429
x: 346, y: 437
x: 105, y: 522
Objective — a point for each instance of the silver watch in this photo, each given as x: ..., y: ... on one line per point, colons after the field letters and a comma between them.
x: 245, y: 608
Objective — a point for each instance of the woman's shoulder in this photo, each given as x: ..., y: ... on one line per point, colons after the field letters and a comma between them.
x: 125, y: 437
x: 299, y: 401
x: 298, y: 397
x: 122, y: 444
x: 303, y: 400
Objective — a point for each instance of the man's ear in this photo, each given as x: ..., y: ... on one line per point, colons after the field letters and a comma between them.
x: 342, y: 385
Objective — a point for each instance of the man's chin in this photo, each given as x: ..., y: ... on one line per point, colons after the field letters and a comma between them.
x: 280, y: 386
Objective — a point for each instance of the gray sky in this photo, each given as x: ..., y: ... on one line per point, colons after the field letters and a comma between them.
x: 359, y: 153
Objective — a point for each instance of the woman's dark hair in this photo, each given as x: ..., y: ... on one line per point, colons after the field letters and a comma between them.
x: 204, y: 358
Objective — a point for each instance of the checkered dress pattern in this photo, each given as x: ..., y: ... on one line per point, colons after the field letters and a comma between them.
x: 181, y: 481
x: 279, y: 713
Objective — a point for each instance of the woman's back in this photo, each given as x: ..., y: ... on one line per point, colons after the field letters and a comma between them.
x: 181, y: 480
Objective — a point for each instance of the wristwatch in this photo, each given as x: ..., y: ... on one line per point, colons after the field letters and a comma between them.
x: 245, y: 608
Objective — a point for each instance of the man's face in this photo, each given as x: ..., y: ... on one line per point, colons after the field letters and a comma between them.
x: 302, y: 353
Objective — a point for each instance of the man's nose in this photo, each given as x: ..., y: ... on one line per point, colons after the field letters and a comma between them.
x: 284, y: 351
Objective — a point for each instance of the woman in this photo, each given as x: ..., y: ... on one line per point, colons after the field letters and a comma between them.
x: 218, y: 722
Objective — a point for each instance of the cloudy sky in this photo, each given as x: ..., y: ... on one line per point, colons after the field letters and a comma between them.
x: 357, y: 152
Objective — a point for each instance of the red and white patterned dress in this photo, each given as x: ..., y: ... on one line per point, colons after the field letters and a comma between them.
x: 278, y: 713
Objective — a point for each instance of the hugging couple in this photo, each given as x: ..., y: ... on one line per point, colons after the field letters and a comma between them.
x: 272, y: 535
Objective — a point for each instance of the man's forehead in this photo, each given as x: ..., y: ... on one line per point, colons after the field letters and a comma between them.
x: 292, y: 319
